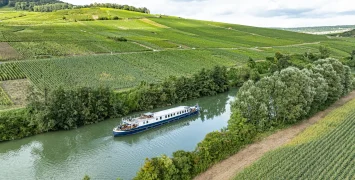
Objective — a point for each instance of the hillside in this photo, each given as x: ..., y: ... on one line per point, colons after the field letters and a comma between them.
x: 119, y: 48
x: 322, y: 29
x: 350, y: 33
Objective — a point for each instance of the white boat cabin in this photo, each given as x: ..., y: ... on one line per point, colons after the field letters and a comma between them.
x: 148, y: 118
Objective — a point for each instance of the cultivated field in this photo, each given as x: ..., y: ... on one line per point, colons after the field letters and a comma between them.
x: 323, y: 151
x: 4, y: 98
x: 73, y: 48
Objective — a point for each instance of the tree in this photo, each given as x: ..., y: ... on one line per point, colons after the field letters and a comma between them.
x: 251, y: 63
x: 320, y: 86
x: 334, y: 89
x: 324, y: 52
x: 353, y: 55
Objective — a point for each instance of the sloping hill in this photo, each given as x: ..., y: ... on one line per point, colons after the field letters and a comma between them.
x: 119, y: 48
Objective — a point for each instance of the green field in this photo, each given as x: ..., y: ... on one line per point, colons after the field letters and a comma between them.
x: 36, y: 35
x: 72, y: 48
x: 121, y: 70
x: 325, y: 150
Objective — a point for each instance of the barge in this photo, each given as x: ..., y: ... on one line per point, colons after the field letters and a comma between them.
x: 151, y: 120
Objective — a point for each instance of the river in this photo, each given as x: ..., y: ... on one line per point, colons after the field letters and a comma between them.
x: 93, y: 151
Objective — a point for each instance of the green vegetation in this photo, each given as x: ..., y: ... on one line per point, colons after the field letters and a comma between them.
x: 67, y: 109
x: 324, y: 151
x: 115, y: 71
x: 15, y: 124
x: 4, y: 98
x: 286, y: 97
x: 116, y: 6
x: 10, y: 71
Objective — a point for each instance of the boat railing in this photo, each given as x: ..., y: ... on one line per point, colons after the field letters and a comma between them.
x: 125, y: 119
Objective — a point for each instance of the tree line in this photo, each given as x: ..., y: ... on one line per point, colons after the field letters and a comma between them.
x: 116, y: 6
x: 285, y: 97
x: 64, y: 109
x: 54, y: 5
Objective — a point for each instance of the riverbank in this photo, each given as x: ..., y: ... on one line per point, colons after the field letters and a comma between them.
x: 91, y: 150
x: 228, y: 168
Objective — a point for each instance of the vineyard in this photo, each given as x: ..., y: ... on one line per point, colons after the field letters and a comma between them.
x: 118, y: 71
x: 324, y: 151
x: 10, y: 71
x: 4, y: 98
x: 30, y: 35
x: 77, y: 47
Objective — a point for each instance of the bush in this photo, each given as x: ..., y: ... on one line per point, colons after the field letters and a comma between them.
x: 103, y: 18
x: 15, y: 124
x: 121, y: 39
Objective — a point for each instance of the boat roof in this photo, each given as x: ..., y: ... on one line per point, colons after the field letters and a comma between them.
x: 169, y: 111
x: 149, y: 114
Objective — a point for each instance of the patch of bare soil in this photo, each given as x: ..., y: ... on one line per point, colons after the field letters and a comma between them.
x: 7, y: 52
x: 228, y: 168
x: 17, y: 90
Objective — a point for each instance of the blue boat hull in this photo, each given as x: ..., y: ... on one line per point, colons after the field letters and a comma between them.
x: 153, y: 125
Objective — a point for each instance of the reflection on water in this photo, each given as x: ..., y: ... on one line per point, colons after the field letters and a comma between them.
x: 92, y: 150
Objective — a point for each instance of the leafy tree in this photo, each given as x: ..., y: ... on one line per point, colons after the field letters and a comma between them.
x: 333, y: 80
x: 251, y: 63
x: 324, y: 52
x: 353, y: 55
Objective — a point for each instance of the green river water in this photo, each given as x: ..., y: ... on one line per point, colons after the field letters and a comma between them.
x: 93, y: 151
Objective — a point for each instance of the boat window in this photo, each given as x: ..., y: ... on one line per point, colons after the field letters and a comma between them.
x: 161, y: 117
x: 157, y: 119
x: 147, y: 122
x: 143, y: 122
x: 168, y: 115
x: 165, y: 116
x: 174, y: 114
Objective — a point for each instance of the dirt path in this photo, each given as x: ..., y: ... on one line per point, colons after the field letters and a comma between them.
x: 228, y: 168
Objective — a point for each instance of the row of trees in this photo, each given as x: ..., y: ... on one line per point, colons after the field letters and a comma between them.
x: 28, y: 5
x: 51, y: 7
x: 116, y: 6
x: 39, y: 7
x: 70, y: 108
x: 285, y: 97
x: 292, y: 94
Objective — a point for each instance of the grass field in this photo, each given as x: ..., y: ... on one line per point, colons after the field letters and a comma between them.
x: 326, y: 150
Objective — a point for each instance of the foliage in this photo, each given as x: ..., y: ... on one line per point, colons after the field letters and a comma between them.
x: 116, y: 6
x: 291, y: 94
x: 51, y: 7
x: 123, y: 39
x: 64, y: 109
x: 239, y: 75
x: 15, y: 124
x: 86, y: 177
x: 35, y: 5
x: 324, y: 52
